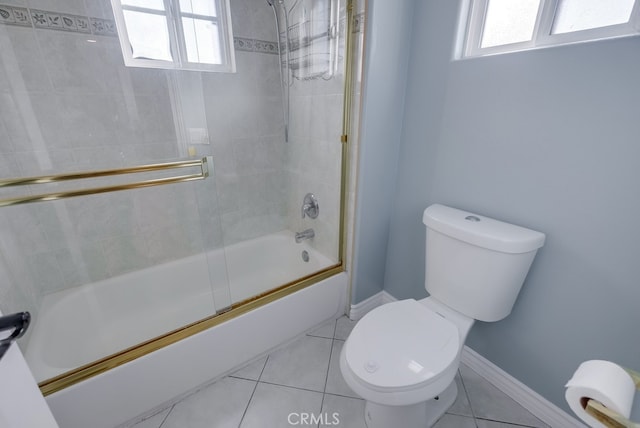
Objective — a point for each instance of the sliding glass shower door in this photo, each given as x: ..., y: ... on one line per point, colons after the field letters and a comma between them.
x: 202, y: 188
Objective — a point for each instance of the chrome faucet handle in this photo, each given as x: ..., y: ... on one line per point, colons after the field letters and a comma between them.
x: 310, y: 206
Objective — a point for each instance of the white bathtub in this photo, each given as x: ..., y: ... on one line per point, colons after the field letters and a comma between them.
x: 77, y: 326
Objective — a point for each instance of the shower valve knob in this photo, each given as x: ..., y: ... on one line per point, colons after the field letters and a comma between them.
x: 310, y: 206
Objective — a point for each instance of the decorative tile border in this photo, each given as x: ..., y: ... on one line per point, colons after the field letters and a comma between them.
x: 242, y: 44
x: 263, y: 46
x: 13, y: 15
x: 60, y: 21
x: 103, y: 27
x: 44, y: 19
x: 253, y: 45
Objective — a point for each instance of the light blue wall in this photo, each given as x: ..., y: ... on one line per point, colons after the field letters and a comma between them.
x: 548, y: 139
x: 386, y: 58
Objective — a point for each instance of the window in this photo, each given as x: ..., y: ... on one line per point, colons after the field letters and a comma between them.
x: 175, y: 34
x: 496, y: 26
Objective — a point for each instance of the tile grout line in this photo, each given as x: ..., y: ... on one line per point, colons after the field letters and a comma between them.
x: 505, y: 423
x: 292, y: 387
x: 497, y: 420
x: 254, y: 391
x: 326, y: 378
x: 464, y: 388
x: 333, y: 333
x: 165, y: 418
x: 344, y: 396
x: 335, y: 327
x: 320, y: 337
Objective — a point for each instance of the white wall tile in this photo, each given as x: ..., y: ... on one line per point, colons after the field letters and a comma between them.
x: 22, y: 3
x: 125, y: 253
x: 45, y: 272
x: 22, y: 60
x: 98, y: 9
x: 74, y: 65
x: 67, y: 6
x: 8, y: 165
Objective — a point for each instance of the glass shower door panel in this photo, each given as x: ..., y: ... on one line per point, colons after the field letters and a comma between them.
x: 267, y: 241
x: 109, y: 271
x: 103, y: 273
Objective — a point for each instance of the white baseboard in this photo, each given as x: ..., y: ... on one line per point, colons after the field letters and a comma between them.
x: 539, y: 406
x: 359, y: 310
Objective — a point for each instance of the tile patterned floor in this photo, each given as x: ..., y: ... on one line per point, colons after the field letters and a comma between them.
x: 304, y: 376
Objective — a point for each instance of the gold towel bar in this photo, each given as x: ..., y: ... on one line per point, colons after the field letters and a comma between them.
x: 202, y: 163
x: 608, y: 417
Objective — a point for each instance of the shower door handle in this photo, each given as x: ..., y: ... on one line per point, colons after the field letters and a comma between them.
x: 17, y: 324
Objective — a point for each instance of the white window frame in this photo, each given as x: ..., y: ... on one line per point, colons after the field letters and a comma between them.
x: 176, y: 37
x: 542, y: 37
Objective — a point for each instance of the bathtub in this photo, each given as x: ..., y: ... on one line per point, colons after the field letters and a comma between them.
x: 83, y: 324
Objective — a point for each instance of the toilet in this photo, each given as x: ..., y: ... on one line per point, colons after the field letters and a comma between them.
x: 402, y: 357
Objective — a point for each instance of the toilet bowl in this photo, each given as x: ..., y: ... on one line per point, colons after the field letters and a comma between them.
x: 402, y: 357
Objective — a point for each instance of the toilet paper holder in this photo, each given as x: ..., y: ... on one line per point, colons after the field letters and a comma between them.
x: 608, y: 417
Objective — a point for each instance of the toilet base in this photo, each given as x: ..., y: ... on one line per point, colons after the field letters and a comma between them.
x: 420, y: 415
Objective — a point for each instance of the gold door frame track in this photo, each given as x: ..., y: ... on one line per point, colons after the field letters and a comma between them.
x: 95, y: 368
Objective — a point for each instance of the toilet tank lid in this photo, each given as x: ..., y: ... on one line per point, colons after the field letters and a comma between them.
x: 482, y: 231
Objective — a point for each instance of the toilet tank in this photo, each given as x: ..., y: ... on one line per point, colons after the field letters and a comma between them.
x: 474, y: 264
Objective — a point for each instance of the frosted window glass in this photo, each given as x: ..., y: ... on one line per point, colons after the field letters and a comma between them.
x: 202, y: 40
x: 148, y: 35
x: 576, y: 15
x: 509, y: 21
x: 148, y: 4
x: 199, y: 7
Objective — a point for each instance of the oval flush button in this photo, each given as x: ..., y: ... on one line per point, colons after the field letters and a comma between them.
x: 371, y: 366
x: 472, y: 218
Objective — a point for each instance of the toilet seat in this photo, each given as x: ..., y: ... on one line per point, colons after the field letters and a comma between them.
x: 401, y: 349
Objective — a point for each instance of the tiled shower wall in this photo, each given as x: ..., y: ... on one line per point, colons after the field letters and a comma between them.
x: 314, y: 155
x: 246, y: 129
x: 67, y: 103
x: 314, y: 151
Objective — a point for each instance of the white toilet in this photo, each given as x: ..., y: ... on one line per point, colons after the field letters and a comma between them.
x: 402, y: 357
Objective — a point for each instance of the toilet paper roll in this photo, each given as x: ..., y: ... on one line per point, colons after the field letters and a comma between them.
x: 603, y: 381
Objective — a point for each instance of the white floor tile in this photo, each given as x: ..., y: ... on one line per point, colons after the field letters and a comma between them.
x: 482, y: 423
x: 455, y: 421
x: 343, y: 328
x: 280, y: 406
x: 302, y: 364
x: 251, y: 371
x: 335, y: 382
x: 488, y: 402
x: 325, y: 330
x: 461, y: 406
x: 342, y: 412
x: 264, y: 394
x: 154, y: 421
x: 219, y: 405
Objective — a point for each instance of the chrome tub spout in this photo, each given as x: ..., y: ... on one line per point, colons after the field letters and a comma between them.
x: 305, y: 234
